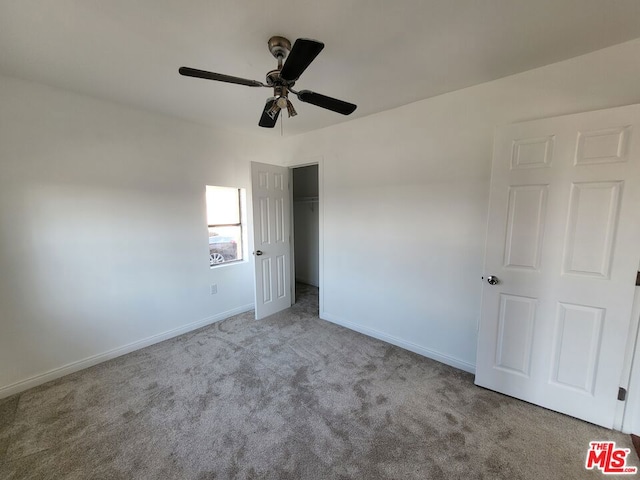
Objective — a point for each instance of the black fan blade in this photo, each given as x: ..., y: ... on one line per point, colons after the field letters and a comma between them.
x: 333, y: 104
x: 193, y: 72
x: 304, y: 51
x: 265, y: 120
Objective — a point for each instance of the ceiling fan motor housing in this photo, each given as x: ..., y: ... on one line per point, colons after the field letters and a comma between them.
x: 274, y: 79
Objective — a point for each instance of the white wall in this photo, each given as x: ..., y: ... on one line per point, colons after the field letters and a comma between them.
x: 406, y: 196
x: 103, y: 238
x: 306, y: 223
x: 103, y: 241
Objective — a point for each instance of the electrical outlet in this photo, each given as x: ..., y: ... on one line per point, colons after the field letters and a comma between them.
x: 214, y: 289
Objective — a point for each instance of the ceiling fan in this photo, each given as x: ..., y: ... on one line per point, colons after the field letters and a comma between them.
x: 282, y: 80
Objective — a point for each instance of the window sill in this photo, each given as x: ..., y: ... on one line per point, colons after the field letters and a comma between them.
x: 227, y: 264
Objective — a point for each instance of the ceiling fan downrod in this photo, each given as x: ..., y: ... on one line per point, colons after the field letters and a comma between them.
x: 279, y: 48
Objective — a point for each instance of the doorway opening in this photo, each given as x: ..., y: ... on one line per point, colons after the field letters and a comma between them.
x: 306, y: 226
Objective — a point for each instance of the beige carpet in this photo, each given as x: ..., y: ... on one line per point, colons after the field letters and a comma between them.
x: 290, y: 397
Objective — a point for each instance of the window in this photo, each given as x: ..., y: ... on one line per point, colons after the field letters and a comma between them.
x: 224, y: 217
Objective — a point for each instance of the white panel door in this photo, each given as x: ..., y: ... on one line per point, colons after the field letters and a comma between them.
x: 271, y: 227
x: 563, y: 241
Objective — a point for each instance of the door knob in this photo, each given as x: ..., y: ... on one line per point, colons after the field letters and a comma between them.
x: 258, y: 252
x: 493, y: 280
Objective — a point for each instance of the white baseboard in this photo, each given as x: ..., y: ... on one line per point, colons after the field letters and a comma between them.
x: 36, y: 380
x: 412, y: 347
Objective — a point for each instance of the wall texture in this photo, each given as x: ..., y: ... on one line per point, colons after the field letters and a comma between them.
x: 103, y: 238
x: 103, y: 243
x: 406, y: 197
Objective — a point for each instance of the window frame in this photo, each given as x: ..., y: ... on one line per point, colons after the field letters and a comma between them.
x: 239, y: 224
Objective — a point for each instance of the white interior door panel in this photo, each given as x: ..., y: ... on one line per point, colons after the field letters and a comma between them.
x: 271, y: 227
x: 564, y: 241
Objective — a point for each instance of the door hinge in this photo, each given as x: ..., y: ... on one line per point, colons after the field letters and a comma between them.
x: 622, y: 394
x: 638, y: 280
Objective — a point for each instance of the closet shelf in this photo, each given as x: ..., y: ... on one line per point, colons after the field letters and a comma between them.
x: 305, y: 200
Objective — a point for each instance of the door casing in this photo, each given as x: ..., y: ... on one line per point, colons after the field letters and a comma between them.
x: 306, y: 163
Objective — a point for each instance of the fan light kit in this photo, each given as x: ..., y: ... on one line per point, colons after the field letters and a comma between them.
x: 292, y: 62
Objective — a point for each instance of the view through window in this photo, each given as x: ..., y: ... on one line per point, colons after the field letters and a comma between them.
x: 224, y: 217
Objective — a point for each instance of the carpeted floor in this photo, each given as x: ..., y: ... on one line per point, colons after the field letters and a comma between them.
x: 289, y: 397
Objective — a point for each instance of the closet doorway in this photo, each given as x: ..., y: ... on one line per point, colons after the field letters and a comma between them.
x: 306, y: 226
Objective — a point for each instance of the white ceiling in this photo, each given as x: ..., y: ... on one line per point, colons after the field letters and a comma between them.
x: 379, y: 54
